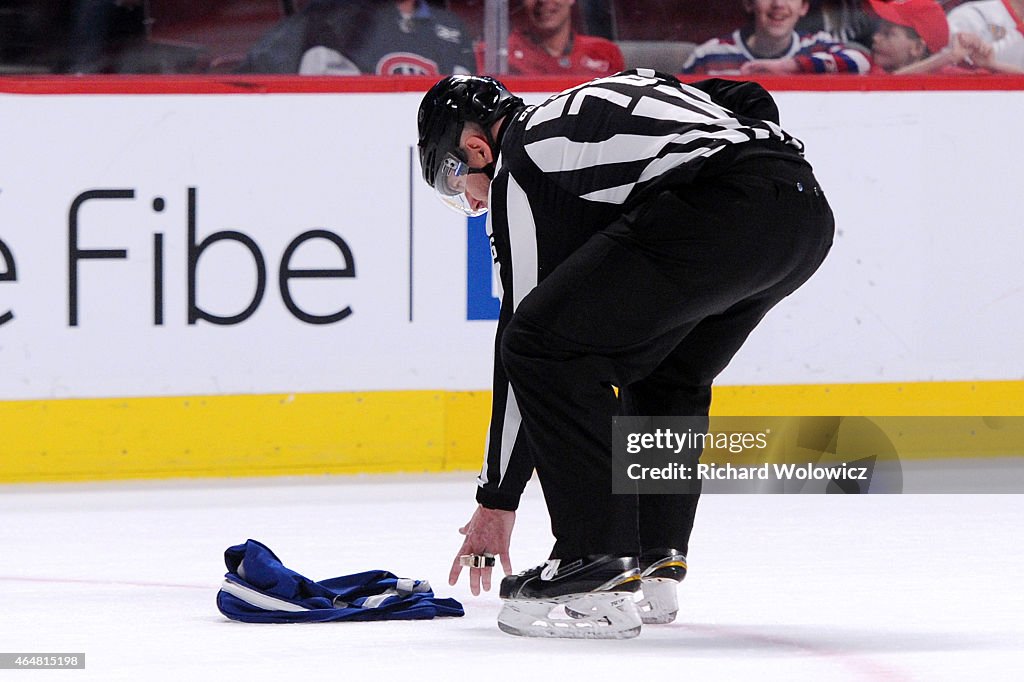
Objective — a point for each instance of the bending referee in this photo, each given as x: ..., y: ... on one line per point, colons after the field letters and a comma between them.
x: 641, y: 229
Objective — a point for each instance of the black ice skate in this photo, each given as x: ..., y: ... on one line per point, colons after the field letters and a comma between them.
x: 661, y: 571
x: 598, y: 590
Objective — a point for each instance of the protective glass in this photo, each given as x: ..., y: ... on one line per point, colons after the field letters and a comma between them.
x: 450, y: 185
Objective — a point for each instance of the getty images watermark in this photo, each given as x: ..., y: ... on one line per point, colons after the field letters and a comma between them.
x: 735, y: 442
x: 658, y: 455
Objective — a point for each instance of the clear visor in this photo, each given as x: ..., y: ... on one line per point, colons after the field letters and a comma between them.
x: 450, y: 185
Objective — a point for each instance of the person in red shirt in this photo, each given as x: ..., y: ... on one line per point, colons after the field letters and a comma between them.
x: 546, y: 44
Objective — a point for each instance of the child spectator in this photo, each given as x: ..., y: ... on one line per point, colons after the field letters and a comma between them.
x: 771, y: 45
x: 909, y: 32
x: 914, y: 37
x: 546, y: 44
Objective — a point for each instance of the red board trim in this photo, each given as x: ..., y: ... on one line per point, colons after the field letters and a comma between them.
x: 241, y: 85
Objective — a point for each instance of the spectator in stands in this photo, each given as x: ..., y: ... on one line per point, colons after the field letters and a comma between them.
x: 980, y: 55
x: 914, y: 37
x: 1000, y: 23
x: 771, y: 45
x: 546, y: 44
x: 909, y: 32
x: 845, y: 20
x: 351, y: 37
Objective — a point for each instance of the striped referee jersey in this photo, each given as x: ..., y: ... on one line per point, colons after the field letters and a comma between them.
x: 572, y: 166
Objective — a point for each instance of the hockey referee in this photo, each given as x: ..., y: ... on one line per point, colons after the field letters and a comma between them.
x: 641, y: 229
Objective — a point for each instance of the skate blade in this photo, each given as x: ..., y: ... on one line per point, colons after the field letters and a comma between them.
x: 603, y: 615
x: 660, y: 603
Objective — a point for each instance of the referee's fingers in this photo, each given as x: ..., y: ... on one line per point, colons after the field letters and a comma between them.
x: 485, y: 575
x: 474, y: 581
x: 453, y: 575
x: 506, y: 562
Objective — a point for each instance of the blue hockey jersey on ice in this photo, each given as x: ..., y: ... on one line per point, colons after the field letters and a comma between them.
x: 258, y: 588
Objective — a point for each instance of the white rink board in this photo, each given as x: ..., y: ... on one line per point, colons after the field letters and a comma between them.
x: 270, y: 167
x: 923, y: 282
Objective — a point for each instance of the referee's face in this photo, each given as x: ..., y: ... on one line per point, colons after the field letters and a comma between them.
x: 478, y: 186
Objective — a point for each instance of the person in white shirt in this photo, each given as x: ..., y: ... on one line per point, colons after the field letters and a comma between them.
x: 998, y: 22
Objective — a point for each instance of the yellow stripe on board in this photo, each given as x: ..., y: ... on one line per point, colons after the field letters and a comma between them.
x: 345, y: 433
x: 920, y: 399
x: 240, y: 435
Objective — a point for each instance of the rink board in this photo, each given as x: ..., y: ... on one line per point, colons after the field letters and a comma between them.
x: 205, y: 277
x: 415, y: 431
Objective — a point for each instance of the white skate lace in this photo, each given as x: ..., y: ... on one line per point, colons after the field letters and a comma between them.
x: 550, y: 569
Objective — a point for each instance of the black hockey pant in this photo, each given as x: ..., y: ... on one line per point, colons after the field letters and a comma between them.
x: 656, y: 304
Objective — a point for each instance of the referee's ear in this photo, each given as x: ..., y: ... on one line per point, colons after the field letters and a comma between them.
x: 478, y: 151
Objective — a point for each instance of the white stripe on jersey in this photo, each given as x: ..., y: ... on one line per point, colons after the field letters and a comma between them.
x: 704, y: 104
x: 509, y: 433
x: 522, y: 242
x: 495, y: 284
x: 481, y: 479
x: 619, y: 193
x: 690, y: 92
x: 649, y: 107
x: 670, y: 161
x: 557, y: 154
x: 522, y: 239
x: 601, y: 93
x: 548, y: 112
x: 259, y: 599
x: 590, y: 153
x: 638, y: 133
x: 611, y: 195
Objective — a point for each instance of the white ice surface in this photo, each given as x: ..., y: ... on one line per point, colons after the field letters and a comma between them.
x: 908, y: 587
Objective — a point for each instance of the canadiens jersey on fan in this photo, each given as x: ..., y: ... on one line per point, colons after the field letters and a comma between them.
x: 373, y: 37
x: 429, y: 43
x: 816, y: 53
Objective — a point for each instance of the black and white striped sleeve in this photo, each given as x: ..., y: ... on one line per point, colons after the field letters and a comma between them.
x: 508, y: 464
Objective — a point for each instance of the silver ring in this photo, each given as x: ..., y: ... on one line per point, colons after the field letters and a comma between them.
x: 485, y: 560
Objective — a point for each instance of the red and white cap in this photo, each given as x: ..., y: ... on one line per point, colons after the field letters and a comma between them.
x: 924, y: 16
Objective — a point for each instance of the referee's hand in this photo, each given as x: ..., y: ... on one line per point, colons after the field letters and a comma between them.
x: 489, y: 531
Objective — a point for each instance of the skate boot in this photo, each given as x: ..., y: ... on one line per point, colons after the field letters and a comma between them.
x: 661, y: 571
x: 598, y: 591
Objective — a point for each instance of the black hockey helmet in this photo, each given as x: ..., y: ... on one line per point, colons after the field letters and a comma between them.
x: 443, y: 113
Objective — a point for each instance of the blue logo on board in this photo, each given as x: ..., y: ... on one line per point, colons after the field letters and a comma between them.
x: 481, y: 303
